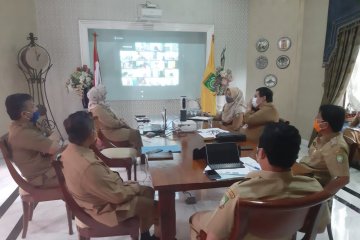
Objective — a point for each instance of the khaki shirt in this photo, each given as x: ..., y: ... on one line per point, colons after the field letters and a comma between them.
x: 256, y: 121
x: 96, y: 188
x: 261, y: 185
x: 28, y: 146
x: 328, y: 158
x: 110, y: 125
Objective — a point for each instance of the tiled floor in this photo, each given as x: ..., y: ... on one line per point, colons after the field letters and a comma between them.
x: 49, y: 220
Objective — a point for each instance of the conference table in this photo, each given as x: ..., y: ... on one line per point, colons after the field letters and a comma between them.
x: 182, y: 173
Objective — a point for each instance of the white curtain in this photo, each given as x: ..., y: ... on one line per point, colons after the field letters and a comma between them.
x: 353, y: 89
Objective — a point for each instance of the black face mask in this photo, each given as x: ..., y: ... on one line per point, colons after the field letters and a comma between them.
x: 229, y: 99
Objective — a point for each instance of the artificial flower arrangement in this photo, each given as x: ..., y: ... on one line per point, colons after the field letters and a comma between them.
x: 80, y: 81
x: 222, y: 80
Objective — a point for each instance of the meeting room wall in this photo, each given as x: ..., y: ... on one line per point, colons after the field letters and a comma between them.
x: 17, y: 19
x: 57, y: 23
x: 298, y: 92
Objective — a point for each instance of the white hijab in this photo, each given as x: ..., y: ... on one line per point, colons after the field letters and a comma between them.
x: 235, y: 107
x: 97, y: 95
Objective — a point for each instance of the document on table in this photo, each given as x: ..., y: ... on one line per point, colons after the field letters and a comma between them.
x: 230, y: 173
x: 210, y: 133
x: 200, y: 118
x: 157, y: 149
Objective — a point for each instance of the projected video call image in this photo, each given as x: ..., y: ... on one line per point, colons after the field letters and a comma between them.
x: 150, y: 64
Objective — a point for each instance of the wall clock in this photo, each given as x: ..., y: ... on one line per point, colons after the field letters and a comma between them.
x: 270, y: 80
x: 35, y: 57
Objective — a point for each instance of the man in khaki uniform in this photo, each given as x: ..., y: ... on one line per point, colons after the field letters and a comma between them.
x: 328, y: 154
x: 351, y: 136
x: 278, y: 150
x: 112, y: 127
x: 260, y: 111
x: 31, y: 150
x: 97, y: 189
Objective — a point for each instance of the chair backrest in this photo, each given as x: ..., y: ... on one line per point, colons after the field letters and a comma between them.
x: 284, y: 217
x: 74, y: 207
x: 6, y: 151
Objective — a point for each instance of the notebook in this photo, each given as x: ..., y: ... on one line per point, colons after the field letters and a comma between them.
x: 223, y: 155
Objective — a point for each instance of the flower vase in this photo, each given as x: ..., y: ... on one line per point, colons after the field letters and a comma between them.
x: 220, y: 102
x: 85, y: 99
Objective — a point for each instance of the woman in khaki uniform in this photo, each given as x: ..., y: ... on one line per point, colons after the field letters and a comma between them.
x: 111, y: 126
x: 278, y: 149
x: 101, y: 192
x: 328, y: 154
x: 31, y: 149
x: 233, y: 112
x: 260, y: 111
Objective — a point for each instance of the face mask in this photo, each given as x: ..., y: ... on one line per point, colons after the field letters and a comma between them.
x: 35, y: 116
x: 253, y: 102
x: 229, y: 99
x: 317, y: 126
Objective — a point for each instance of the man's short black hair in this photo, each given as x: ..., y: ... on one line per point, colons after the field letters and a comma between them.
x: 281, y: 143
x: 264, y: 91
x: 15, y: 104
x: 334, y: 115
x: 79, y: 126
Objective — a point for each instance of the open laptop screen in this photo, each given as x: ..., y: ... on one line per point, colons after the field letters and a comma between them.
x: 220, y: 153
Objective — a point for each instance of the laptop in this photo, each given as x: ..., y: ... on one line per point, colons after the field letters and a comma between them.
x: 223, y: 155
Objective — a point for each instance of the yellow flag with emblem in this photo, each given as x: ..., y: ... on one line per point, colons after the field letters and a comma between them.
x: 208, y: 95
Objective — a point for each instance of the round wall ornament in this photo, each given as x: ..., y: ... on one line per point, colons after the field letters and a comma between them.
x: 282, y: 61
x: 270, y: 80
x: 284, y: 43
x: 261, y: 62
x: 262, y: 45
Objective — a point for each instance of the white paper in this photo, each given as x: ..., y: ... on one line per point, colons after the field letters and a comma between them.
x: 210, y: 133
x: 250, y: 163
x: 200, y: 118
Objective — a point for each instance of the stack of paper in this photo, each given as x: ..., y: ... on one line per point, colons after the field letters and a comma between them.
x: 210, y: 133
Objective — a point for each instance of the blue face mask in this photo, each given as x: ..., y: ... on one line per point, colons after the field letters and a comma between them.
x: 35, y: 117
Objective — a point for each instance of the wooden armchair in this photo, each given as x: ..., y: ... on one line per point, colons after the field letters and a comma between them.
x: 90, y: 227
x: 118, y: 158
x: 33, y: 194
x: 274, y: 219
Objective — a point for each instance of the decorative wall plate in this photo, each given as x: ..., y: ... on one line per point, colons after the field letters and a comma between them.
x: 270, y: 80
x: 261, y: 62
x: 262, y: 45
x: 284, y: 43
x: 283, y: 61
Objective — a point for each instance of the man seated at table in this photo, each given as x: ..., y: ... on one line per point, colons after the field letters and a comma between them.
x: 352, y: 136
x: 328, y: 154
x: 260, y: 111
x: 31, y: 149
x: 278, y: 150
x: 100, y: 191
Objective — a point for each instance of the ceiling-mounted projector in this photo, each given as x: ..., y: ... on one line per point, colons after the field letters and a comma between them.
x: 146, y: 13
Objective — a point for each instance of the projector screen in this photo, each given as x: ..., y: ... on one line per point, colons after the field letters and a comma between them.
x: 150, y: 65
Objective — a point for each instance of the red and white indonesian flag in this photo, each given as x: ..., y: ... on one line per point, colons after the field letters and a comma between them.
x: 97, y: 75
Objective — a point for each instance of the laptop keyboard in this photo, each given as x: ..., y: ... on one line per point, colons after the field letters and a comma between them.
x: 227, y: 165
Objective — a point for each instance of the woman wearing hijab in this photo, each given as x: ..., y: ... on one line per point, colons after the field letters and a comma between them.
x: 234, y: 108
x: 113, y: 128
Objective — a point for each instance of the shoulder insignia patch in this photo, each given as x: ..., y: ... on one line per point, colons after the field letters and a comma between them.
x: 223, y: 201
x: 340, y: 158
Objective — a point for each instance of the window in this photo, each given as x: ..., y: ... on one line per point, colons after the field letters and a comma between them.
x: 352, y: 96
